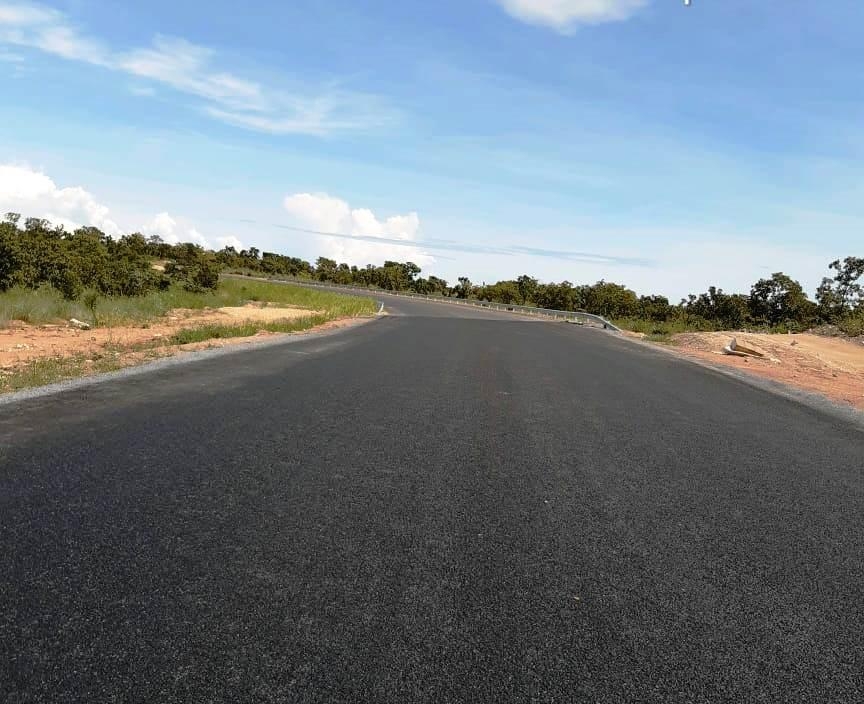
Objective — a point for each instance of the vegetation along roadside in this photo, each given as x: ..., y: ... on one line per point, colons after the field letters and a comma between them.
x: 175, y: 294
x: 74, y: 304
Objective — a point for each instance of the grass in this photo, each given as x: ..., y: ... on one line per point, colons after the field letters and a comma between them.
x: 43, y: 305
x: 853, y: 324
x: 39, y: 372
x: 215, y: 331
x: 46, y: 305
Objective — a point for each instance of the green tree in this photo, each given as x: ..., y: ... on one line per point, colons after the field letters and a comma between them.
x: 464, y: 288
x: 838, y: 296
x: 781, y: 300
x: 655, y: 308
x: 501, y: 292
x: 848, y: 274
x: 325, y: 269
x: 432, y: 286
x: 204, y: 276
x: 9, y: 252
x: 555, y: 296
x: 721, y: 310
x: 611, y: 300
x: 527, y: 286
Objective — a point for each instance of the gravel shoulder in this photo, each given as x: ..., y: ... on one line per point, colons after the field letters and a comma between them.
x: 832, y: 367
x: 35, y: 355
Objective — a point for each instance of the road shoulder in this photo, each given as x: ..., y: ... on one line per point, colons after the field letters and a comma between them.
x: 808, y: 397
x: 186, y: 354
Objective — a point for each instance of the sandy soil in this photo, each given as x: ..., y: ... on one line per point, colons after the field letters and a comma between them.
x: 20, y: 343
x: 833, y: 367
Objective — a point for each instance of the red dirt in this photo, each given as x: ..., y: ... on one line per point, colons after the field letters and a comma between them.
x: 833, y: 367
x: 21, y: 343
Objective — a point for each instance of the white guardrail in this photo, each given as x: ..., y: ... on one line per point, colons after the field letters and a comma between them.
x: 578, y: 316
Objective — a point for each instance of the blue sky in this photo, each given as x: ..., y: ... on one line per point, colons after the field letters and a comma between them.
x: 641, y: 141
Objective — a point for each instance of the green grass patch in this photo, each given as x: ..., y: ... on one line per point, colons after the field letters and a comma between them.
x: 215, y: 331
x: 853, y: 323
x: 40, y: 372
x: 46, y: 305
x: 42, y: 305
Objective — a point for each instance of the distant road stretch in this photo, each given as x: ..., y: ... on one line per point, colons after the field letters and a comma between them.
x: 444, y: 505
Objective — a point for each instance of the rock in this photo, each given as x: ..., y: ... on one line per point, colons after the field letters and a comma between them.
x: 80, y: 324
x: 737, y: 350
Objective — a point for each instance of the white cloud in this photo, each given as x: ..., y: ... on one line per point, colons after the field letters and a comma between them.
x: 32, y: 193
x: 190, y: 69
x: 171, y: 231
x: 22, y: 15
x: 163, y: 225
x: 184, y: 66
x: 67, y: 44
x: 229, y: 241
x: 300, y: 123
x: 192, y: 235
x: 564, y: 15
x: 324, y: 213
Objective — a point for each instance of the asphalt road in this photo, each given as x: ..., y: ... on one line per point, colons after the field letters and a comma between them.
x: 443, y: 505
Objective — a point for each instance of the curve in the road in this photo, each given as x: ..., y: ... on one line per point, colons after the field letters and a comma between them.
x: 446, y: 505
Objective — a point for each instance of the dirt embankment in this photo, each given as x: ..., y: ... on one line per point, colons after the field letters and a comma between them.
x: 21, y: 343
x: 833, y: 367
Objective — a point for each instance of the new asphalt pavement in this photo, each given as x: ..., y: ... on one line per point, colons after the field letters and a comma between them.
x: 441, y: 505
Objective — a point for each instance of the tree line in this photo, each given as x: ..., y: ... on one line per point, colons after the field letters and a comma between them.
x: 778, y: 302
x: 34, y: 253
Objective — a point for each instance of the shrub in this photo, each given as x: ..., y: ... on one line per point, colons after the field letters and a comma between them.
x: 853, y: 324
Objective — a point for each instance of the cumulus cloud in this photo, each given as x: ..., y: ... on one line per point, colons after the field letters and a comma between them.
x: 565, y: 15
x: 163, y: 225
x: 171, y: 231
x: 355, y: 231
x: 32, y: 193
x: 191, y: 69
x: 229, y: 241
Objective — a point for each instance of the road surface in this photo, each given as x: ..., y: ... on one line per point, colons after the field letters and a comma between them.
x: 443, y: 505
